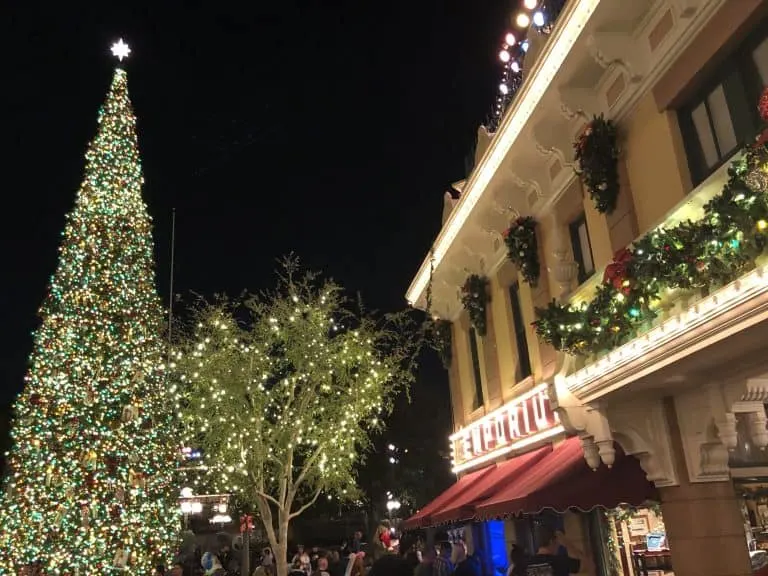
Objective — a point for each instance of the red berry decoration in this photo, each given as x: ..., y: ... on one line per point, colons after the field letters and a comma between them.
x: 763, y: 105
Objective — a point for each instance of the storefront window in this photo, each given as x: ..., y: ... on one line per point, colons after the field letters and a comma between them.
x: 754, y: 493
x: 637, y: 543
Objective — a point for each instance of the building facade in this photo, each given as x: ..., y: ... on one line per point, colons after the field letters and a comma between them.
x: 630, y: 319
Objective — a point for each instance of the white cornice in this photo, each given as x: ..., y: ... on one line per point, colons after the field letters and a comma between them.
x: 574, y: 18
x: 733, y: 308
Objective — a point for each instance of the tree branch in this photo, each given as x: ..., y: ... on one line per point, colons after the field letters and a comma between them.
x: 259, y: 491
x: 303, y: 509
x: 304, y: 470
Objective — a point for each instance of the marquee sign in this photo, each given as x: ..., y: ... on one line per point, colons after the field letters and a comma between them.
x: 517, y: 422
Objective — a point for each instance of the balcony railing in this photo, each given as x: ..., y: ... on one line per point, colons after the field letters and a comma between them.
x: 718, y: 234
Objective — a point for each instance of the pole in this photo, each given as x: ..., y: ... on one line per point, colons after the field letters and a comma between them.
x: 170, y: 289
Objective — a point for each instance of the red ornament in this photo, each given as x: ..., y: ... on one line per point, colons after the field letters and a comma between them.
x: 763, y: 105
x: 616, y: 271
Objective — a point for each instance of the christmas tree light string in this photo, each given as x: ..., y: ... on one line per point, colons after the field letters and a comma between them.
x: 89, y: 488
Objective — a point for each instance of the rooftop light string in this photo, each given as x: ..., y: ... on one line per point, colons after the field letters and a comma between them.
x: 531, y: 15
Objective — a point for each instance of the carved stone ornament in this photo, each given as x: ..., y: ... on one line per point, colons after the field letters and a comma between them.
x: 639, y: 427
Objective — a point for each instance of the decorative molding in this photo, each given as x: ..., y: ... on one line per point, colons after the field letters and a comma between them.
x: 704, y: 427
x: 756, y: 390
x: 686, y: 8
x: 591, y: 452
x: 641, y: 429
x: 757, y: 424
x: 612, y: 50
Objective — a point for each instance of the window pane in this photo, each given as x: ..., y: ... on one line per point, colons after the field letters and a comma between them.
x: 473, y: 349
x: 586, y: 250
x: 523, y: 358
x: 760, y: 56
x: 703, y: 131
x: 721, y: 118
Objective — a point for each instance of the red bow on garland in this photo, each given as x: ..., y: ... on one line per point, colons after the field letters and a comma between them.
x: 763, y: 105
x: 616, y: 271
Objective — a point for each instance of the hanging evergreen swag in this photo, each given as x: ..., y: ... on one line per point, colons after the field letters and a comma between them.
x: 474, y: 298
x: 523, y: 248
x: 597, y: 155
x: 442, y: 341
x: 710, y: 252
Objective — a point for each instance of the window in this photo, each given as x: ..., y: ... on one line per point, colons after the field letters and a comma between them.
x: 478, y: 399
x: 582, y: 248
x: 722, y: 116
x: 523, y: 358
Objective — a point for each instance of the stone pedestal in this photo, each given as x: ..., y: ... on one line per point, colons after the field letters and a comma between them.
x: 705, y: 529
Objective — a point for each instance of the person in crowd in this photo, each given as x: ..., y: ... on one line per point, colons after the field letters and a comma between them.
x: 476, y: 558
x: 549, y: 562
x: 177, y: 568
x: 408, y: 552
x: 516, y: 561
x: 355, y: 565
x: 391, y: 565
x: 267, y: 559
x: 463, y: 566
x: 212, y: 565
x: 442, y: 565
x: 335, y: 565
x: 322, y: 567
x: 296, y: 569
x: 357, y: 541
x: 301, y: 556
x: 227, y: 558
x: 314, y: 556
x: 426, y: 565
x: 380, y: 541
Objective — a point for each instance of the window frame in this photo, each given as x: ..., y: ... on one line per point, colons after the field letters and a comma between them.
x: 740, y: 78
x: 578, y: 254
x: 523, y: 369
x: 478, y: 396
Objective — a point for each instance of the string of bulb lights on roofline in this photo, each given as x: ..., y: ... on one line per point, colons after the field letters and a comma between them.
x: 532, y: 15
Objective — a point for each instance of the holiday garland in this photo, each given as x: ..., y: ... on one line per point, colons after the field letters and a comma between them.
x: 597, y: 155
x: 713, y: 251
x: 474, y: 298
x: 523, y: 248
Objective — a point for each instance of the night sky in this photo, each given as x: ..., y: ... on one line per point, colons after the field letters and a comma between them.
x: 330, y: 129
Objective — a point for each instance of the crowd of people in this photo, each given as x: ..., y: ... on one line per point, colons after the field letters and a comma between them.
x: 409, y: 556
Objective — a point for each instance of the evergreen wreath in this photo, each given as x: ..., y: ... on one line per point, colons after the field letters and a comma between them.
x: 710, y: 252
x: 475, y: 298
x: 597, y: 155
x: 523, y: 248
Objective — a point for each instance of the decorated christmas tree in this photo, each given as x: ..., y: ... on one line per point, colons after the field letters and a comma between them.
x: 89, y: 481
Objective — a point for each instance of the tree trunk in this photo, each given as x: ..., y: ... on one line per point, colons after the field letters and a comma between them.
x: 281, y: 558
x: 282, y: 537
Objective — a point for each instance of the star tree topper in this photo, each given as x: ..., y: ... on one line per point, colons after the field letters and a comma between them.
x: 120, y: 49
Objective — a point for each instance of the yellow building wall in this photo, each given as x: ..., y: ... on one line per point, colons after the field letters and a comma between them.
x: 655, y: 161
x: 654, y: 178
x: 505, y: 338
